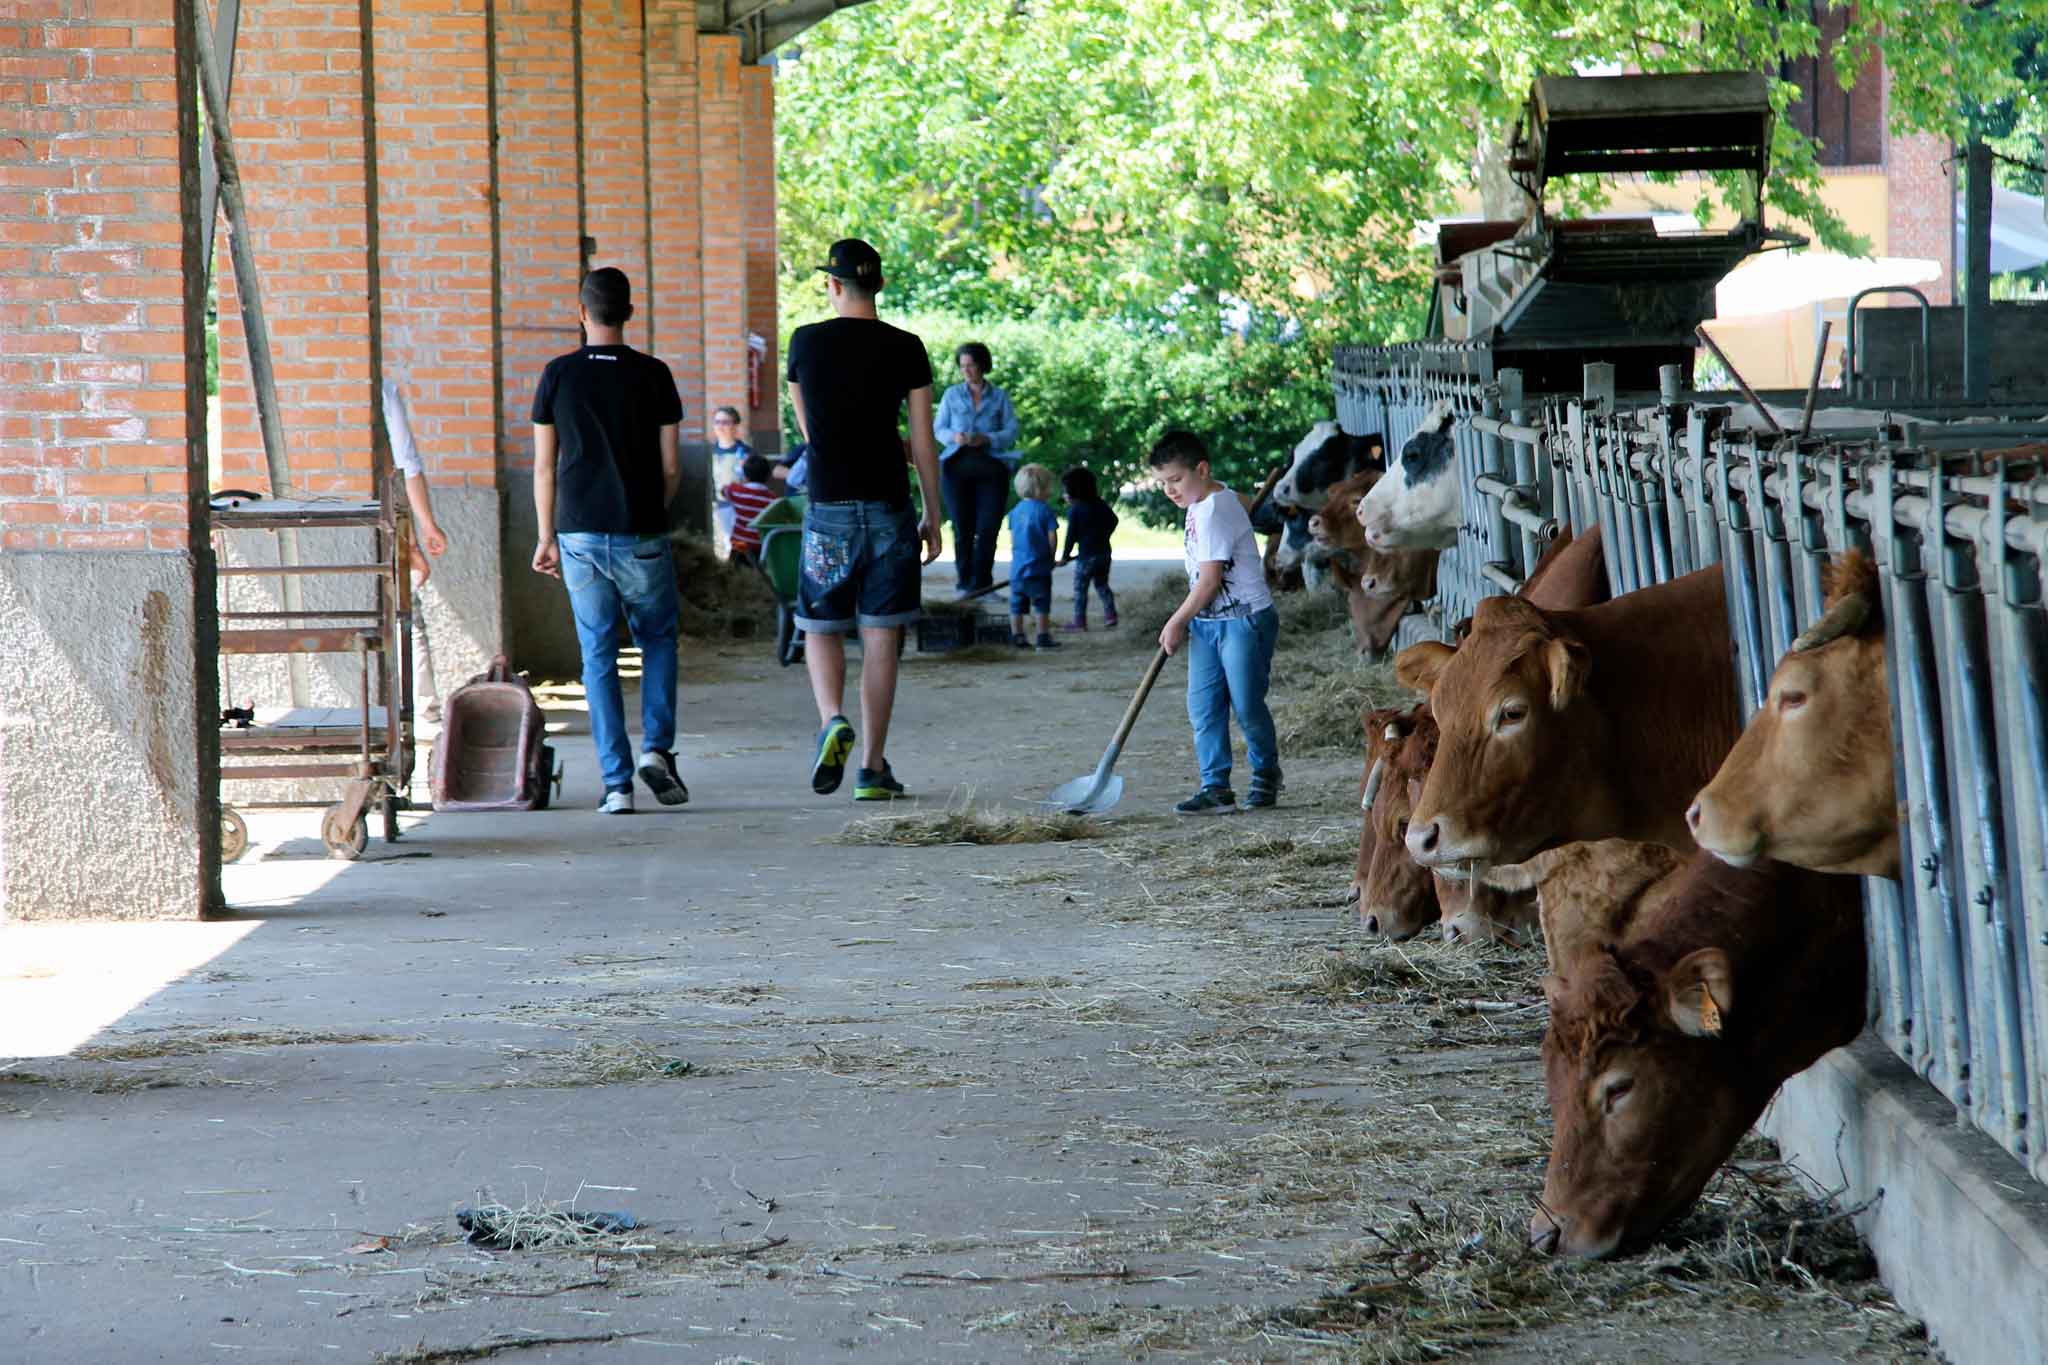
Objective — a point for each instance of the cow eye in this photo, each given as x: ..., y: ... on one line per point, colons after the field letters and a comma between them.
x: 1615, y: 1091
x: 1791, y: 701
x: 1513, y: 713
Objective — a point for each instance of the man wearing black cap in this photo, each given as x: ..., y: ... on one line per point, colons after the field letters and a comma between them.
x: 849, y: 378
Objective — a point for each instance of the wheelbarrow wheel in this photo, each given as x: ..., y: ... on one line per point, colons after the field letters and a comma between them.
x: 550, y: 780
x: 346, y: 842
x: 788, y: 647
x: 234, y: 834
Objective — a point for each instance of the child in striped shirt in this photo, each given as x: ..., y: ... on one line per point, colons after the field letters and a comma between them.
x: 749, y: 495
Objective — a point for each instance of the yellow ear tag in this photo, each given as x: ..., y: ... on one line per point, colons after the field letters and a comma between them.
x: 1710, y: 1013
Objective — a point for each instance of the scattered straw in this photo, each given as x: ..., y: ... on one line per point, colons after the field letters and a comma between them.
x: 1321, y: 711
x: 194, y: 1044
x: 626, y: 1063
x: 542, y: 1225
x: 971, y: 826
x: 718, y: 599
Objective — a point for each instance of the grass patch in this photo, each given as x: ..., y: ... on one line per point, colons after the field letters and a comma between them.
x: 970, y: 826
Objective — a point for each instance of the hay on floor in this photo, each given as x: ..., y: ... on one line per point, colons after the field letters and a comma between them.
x: 971, y: 826
x: 1321, y: 710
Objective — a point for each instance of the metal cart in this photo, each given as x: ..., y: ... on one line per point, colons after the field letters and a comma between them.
x: 370, y: 745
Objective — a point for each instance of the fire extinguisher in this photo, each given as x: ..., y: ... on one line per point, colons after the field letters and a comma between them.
x: 757, y: 351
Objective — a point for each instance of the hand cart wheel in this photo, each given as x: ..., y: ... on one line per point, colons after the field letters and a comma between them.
x: 389, y: 806
x: 788, y: 647
x: 344, y: 841
x: 234, y: 834
x: 551, y: 783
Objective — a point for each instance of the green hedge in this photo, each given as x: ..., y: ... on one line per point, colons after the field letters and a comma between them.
x: 1099, y: 394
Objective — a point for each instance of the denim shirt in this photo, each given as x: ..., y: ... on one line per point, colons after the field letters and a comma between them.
x: 993, y: 417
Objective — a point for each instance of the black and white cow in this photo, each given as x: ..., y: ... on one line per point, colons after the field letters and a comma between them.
x: 1417, y: 505
x: 1326, y: 456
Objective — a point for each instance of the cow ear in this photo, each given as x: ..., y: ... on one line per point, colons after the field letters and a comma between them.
x: 1698, y: 991
x: 1418, y: 666
x: 1569, y: 666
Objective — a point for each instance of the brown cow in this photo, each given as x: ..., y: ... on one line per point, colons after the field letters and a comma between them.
x: 1395, y: 895
x: 1810, y: 781
x: 1571, y: 573
x: 1378, y: 585
x: 1566, y: 725
x: 1681, y: 997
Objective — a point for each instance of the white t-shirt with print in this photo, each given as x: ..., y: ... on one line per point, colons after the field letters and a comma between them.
x: 1220, y: 530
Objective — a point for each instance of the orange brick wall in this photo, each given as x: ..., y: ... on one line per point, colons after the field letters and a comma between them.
x: 297, y: 117
x: 757, y: 175
x: 434, y: 224
x: 677, y: 290
x: 724, y: 228
x: 1920, y: 206
x: 92, y: 371
x: 615, y: 148
x: 537, y: 186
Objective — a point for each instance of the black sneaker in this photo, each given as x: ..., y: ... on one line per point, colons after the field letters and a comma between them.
x: 1210, y: 801
x: 1020, y: 640
x: 657, y: 768
x: 1045, y: 640
x: 835, y: 742
x: 1265, y: 792
x: 869, y: 785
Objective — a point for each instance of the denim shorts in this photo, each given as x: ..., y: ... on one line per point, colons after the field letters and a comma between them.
x: 1031, y: 594
x: 860, y: 565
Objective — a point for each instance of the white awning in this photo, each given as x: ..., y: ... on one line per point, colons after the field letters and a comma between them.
x: 1780, y: 280
x: 2019, y: 231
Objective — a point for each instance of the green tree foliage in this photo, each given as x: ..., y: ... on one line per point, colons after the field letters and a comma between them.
x: 1152, y: 159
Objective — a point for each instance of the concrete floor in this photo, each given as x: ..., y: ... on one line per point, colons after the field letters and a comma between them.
x: 1017, y: 1064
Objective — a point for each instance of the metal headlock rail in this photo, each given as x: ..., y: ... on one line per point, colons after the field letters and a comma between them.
x: 1959, y: 947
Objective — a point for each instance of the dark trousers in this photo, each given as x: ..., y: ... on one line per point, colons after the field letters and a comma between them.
x: 977, y: 488
x: 1092, y: 569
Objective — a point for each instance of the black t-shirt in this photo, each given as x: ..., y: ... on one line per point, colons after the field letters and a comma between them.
x: 855, y: 374
x: 608, y: 405
x: 1089, y: 527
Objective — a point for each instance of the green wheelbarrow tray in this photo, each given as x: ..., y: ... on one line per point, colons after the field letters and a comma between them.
x: 781, y: 524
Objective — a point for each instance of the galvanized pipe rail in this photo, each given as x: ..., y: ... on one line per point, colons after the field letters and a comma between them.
x: 1958, y: 947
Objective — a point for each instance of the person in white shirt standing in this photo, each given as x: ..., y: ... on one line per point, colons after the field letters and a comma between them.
x: 429, y: 543
x: 1228, y: 624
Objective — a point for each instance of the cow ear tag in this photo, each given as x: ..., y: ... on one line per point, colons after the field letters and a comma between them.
x: 1710, y: 1013
x: 1699, y: 989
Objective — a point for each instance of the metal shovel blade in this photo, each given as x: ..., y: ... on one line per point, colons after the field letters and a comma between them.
x: 1090, y: 795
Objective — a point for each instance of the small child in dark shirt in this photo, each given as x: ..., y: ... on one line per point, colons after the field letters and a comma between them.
x: 1090, y: 524
x: 748, y: 496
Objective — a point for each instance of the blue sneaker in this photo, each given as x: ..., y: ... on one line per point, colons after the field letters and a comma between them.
x: 835, y: 743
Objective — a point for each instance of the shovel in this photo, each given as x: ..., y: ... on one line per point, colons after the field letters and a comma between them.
x: 1102, y: 789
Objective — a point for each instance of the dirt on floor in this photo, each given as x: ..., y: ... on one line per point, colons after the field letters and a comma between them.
x: 971, y: 1086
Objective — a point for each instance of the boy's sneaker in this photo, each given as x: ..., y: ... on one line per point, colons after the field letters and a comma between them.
x: 1265, y: 791
x: 1075, y: 625
x: 1045, y: 640
x: 658, y: 770
x: 1020, y: 640
x: 870, y: 785
x: 617, y: 801
x: 1210, y: 801
x: 1109, y: 620
x: 835, y: 742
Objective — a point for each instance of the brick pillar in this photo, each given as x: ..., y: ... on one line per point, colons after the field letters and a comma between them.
x: 757, y: 185
x: 436, y: 279
x: 298, y: 112
x: 724, y: 226
x: 1921, y: 205
x: 674, y: 202
x: 615, y: 148
x: 102, y: 422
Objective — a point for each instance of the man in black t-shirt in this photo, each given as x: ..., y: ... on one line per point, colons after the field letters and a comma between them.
x: 605, y: 467
x: 850, y: 378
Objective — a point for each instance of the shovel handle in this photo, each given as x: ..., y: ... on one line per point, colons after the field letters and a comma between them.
x: 1123, y: 727
x: 1266, y: 489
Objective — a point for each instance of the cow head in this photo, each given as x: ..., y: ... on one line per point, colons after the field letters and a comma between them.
x: 1520, y: 738
x: 1474, y: 911
x: 1646, y: 1100
x: 1324, y: 458
x: 1396, y: 898
x: 1810, y: 781
x: 1417, y: 506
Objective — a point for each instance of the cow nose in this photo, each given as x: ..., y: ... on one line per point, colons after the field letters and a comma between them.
x: 1423, y: 839
x: 1544, y: 1234
x: 1692, y: 816
x: 1372, y: 924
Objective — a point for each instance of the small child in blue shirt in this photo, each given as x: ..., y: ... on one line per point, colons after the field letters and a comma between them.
x: 1033, y: 530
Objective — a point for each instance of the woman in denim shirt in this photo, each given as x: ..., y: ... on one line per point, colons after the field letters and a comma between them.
x: 977, y: 432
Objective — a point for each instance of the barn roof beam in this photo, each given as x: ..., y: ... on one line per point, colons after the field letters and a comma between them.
x: 764, y: 25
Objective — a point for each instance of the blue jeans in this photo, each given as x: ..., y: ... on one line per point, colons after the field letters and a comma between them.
x: 1092, y: 569
x: 1230, y: 661
x: 977, y: 488
x: 860, y: 566
x: 631, y: 578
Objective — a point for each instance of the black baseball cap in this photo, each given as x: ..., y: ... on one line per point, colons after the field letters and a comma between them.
x: 852, y: 259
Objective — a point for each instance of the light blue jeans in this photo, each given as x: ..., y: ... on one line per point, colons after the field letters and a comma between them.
x: 631, y: 578
x: 1230, y: 662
